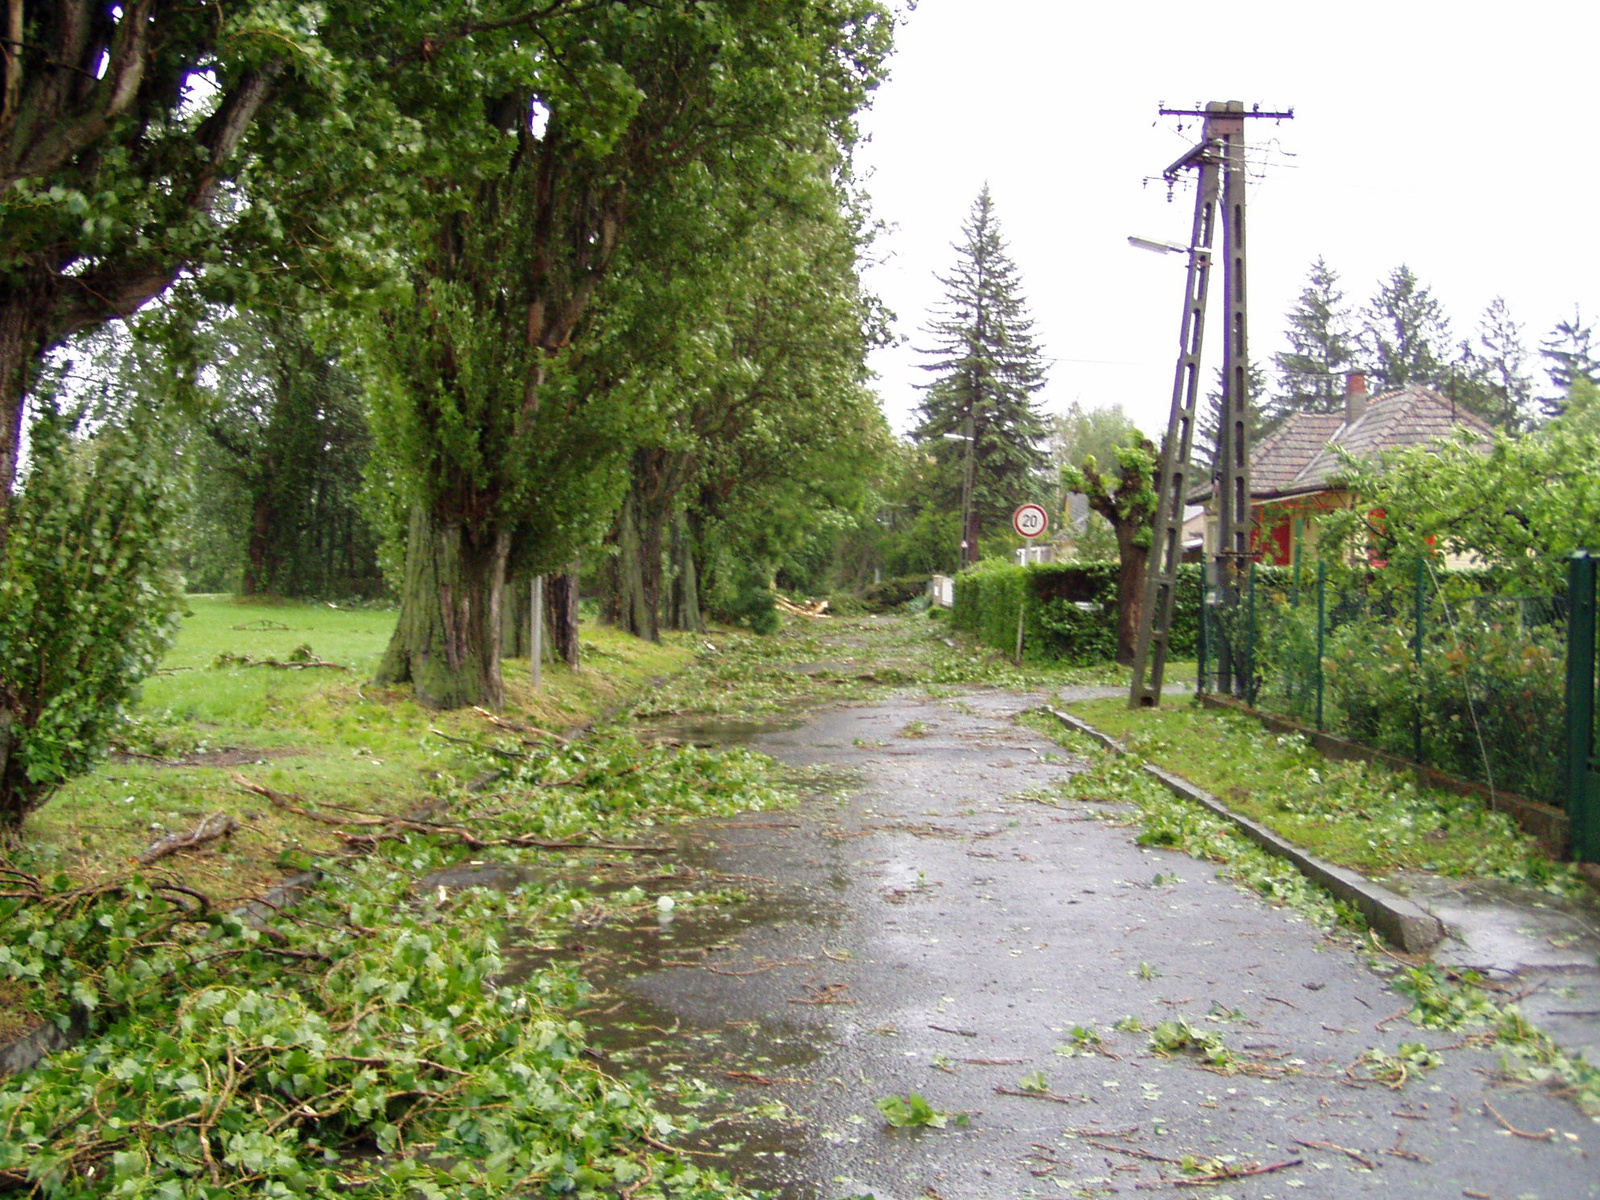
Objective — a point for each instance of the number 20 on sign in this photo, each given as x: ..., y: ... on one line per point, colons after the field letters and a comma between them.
x: 1030, y: 521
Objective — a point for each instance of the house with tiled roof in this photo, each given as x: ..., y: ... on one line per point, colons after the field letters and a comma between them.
x: 1296, y: 472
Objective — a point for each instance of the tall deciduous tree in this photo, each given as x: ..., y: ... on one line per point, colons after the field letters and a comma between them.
x: 747, y: 341
x: 1405, y: 335
x: 988, y: 368
x: 1320, y: 347
x: 573, y: 125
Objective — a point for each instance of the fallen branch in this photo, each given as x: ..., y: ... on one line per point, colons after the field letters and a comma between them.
x: 1135, y: 1152
x: 278, y: 800
x: 519, y: 727
x: 1243, y: 1172
x: 217, y: 825
x: 481, y: 749
x: 1345, y: 1150
x: 1546, y: 1136
x: 1053, y: 1097
x: 282, y: 664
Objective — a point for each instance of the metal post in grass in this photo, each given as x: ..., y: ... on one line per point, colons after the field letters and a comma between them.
x: 1249, y: 680
x: 1583, y: 812
x: 1322, y: 626
x: 1294, y: 568
x: 1416, y: 688
x: 1200, y: 642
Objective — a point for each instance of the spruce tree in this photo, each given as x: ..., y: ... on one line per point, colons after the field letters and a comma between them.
x: 987, y: 369
x: 1569, y: 356
x: 1320, y: 348
x: 1405, y: 333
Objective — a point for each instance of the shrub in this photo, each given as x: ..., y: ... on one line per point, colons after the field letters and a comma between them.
x: 88, y: 598
x: 891, y: 594
x: 1071, y: 610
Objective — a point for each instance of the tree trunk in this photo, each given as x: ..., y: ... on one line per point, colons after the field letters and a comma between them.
x: 629, y: 600
x: 684, y: 611
x: 1130, y: 589
x: 561, y: 615
x: 518, y: 612
x: 447, y: 642
x: 256, y: 571
x: 22, y: 337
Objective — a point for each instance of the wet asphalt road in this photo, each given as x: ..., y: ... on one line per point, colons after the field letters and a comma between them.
x: 922, y: 925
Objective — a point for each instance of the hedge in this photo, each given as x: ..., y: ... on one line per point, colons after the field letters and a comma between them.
x: 1055, y: 628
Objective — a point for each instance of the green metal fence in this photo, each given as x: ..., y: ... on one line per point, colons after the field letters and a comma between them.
x: 1415, y: 661
x: 1581, y: 761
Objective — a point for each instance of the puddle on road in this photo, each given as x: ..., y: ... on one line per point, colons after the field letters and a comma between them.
x: 703, y: 1063
x: 714, y: 733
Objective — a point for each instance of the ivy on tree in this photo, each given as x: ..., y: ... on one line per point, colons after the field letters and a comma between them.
x: 987, y: 369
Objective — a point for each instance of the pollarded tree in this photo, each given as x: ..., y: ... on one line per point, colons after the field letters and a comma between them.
x: 1320, y: 347
x: 1126, y: 498
x: 1405, y: 334
x: 987, y: 369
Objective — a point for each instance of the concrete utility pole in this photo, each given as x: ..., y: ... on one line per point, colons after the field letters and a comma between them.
x: 1219, y: 159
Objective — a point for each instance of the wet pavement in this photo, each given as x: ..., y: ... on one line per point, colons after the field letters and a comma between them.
x: 928, y: 922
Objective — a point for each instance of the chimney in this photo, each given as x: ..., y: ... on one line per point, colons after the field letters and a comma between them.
x: 1355, y: 396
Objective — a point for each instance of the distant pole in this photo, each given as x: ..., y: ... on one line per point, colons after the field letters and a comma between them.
x: 536, y: 631
x: 969, y: 539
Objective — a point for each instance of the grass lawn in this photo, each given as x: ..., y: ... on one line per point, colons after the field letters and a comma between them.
x: 323, y: 734
x: 1359, y: 815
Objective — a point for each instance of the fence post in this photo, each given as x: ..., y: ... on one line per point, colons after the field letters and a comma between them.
x: 1249, y: 680
x: 1200, y: 641
x: 1416, y: 609
x: 1583, y: 813
x: 1322, y: 625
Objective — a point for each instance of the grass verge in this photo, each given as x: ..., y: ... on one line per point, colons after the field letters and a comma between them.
x: 322, y: 734
x: 1355, y: 814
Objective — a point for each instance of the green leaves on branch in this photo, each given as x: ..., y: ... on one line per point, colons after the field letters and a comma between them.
x: 88, y: 597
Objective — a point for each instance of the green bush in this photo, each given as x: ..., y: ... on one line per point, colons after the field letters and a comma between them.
x: 88, y: 597
x: 891, y: 594
x: 1485, y: 702
x: 1071, y: 610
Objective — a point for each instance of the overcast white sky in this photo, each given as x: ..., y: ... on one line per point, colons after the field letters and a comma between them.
x: 1458, y: 139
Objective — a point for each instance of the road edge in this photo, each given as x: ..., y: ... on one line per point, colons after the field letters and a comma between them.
x: 1406, y: 925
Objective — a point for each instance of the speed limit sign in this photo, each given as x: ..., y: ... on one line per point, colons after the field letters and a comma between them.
x: 1030, y: 521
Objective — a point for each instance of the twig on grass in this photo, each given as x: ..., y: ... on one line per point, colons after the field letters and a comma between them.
x: 218, y: 825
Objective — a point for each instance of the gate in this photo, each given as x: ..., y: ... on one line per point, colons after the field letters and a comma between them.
x: 1583, y: 763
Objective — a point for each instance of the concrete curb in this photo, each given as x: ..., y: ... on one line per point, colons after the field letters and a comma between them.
x: 1411, y: 928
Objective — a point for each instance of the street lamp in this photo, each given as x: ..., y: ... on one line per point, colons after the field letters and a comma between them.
x: 1156, y: 246
x: 969, y: 550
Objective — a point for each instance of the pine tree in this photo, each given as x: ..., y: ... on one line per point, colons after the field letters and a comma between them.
x: 1404, y: 332
x: 1320, y: 348
x: 1569, y: 357
x: 987, y: 370
x: 1490, y: 377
